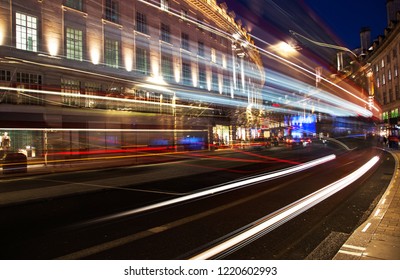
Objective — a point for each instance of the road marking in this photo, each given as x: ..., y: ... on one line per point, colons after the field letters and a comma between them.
x: 350, y: 253
x: 366, y: 227
x: 358, y: 248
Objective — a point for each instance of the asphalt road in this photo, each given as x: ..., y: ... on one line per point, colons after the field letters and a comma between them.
x: 98, y: 224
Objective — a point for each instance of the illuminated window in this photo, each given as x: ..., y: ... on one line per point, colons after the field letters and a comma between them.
x: 166, y: 67
x: 141, y: 23
x: 382, y: 63
x: 142, y: 61
x: 378, y: 82
x: 396, y: 70
x: 376, y: 68
x: 389, y: 75
x: 75, y: 4
x: 185, y: 41
x: 74, y: 44
x: 26, y: 32
x: 213, y: 55
x: 224, y: 64
x: 73, y: 87
x: 111, y: 10
x: 111, y: 53
x: 165, y: 33
x: 164, y: 4
x: 383, y: 79
x: 186, y: 74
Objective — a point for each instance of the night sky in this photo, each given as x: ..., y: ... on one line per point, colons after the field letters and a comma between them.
x: 335, y: 22
x: 346, y: 17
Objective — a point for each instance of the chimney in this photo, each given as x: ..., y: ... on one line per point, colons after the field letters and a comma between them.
x: 392, y: 7
x: 365, y: 37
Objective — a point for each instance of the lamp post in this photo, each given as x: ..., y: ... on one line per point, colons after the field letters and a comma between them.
x: 325, y: 45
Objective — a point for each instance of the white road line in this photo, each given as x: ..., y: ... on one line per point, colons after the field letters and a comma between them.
x: 354, y: 247
x: 350, y: 253
x: 366, y: 227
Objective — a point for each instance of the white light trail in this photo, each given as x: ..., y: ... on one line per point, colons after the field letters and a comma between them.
x: 223, y: 188
x: 285, y: 214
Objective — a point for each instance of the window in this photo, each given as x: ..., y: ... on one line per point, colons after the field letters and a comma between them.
x: 389, y: 75
x: 215, y: 84
x: 200, y: 49
x: 31, y: 81
x: 213, y: 55
x: 91, y: 89
x: 378, y: 82
x: 70, y: 86
x: 227, y: 84
x: 385, y: 115
x: 164, y: 5
x: 74, y: 44
x: 142, y: 61
x: 166, y: 67
x: 111, y: 53
x: 376, y: 68
x: 165, y: 33
x: 141, y: 23
x: 383, y: 79
x: 382, y: 63
x: 388, y: 58
x: 186, y: 74
x: 26, y: 32
x: 185, y: 41
x: 224, y: 64
x: 396, y: 70
x: 111, y: 10
x: 394, y: 52
x: 74, y: 4
x: 397, y: 92
x: 202, y: 77
x: 5, y: 75
x: 390, y: 95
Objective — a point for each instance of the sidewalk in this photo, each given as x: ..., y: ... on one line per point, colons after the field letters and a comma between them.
x: 378, y: 238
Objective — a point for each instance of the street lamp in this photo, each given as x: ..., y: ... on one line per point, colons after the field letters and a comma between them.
x: 325, y: 45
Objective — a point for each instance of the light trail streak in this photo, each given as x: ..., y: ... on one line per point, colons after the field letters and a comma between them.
x: 285, y: 214
x: 220, y: 189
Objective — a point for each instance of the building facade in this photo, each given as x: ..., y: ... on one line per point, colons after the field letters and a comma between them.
x: 383, y: 59
x: 81, y: 75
